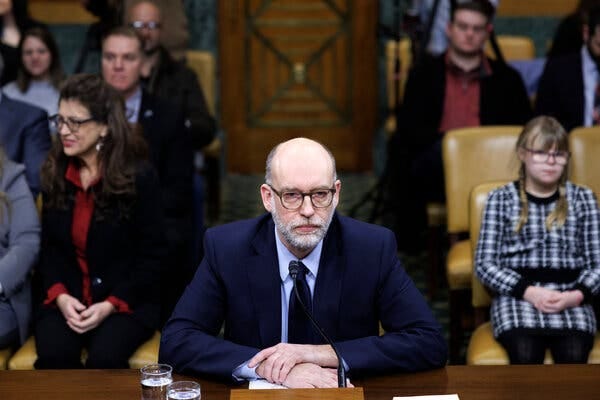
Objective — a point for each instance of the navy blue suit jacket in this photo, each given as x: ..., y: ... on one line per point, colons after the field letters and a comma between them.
x: 25, y: 137
x: 360, y: 283
x: 560, y: 92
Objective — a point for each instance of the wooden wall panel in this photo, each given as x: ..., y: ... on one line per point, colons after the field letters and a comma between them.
x: 60, y: 12
x: 520, y: 8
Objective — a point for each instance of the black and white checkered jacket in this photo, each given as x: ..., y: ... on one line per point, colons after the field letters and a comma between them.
x: 561, y: 258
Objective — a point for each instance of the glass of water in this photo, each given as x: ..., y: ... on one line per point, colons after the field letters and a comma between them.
x: 154, y: 379
x: 183, y: 390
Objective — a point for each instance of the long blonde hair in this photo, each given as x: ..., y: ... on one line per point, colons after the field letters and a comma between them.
x: 548, y: 132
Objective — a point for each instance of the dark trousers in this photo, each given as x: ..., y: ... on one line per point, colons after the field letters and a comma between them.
x: 179, y: 266
x: 526, y: 348
x: 423, y: 182
x: 108, y: 346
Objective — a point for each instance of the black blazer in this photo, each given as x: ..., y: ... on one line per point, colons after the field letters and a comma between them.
x: 169, y: 143
x: 124, y: 255
x: 560, y: 92
x: 503, y: 101
x: 174, y: 81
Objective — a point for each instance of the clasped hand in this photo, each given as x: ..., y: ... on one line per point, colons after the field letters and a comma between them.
x: 552, y: 301
x: 81, y: 318
x: 297, y: 365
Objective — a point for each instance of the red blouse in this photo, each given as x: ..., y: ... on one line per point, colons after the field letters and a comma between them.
x: 82, y: 216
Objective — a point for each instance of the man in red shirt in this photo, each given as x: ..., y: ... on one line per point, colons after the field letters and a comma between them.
x: 457, y: 89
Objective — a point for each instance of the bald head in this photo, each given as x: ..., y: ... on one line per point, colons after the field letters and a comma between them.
x: 300, y: 155
x: 301, y: 193
x: 144, y: 16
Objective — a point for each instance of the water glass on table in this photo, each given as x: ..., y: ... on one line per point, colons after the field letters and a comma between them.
x: 183, y: 390
x: 154, y: 379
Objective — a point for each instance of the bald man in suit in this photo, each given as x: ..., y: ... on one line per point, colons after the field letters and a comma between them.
x: 352, y: 272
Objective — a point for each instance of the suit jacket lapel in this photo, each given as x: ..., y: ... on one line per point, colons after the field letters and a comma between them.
x: 146, y: 107
x: 328, y: 287
x: 265, y: 283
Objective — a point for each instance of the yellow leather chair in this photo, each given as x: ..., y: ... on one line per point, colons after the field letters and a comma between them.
x: 584, y: 144
x: 483, y: 349
x: 404, y: 52
x: 471, y: 156
x: 513, y: 47
x: 147, y: 353
x: 4, y: 357
x: 204, y: 66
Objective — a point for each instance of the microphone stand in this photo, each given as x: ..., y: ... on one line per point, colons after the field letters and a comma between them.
x: 341, y: 372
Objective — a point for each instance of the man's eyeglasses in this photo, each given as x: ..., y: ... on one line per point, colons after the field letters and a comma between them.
x: 541, y: 156
x: 73, y: 124
x: 292, y: 200
x: 148, y: 25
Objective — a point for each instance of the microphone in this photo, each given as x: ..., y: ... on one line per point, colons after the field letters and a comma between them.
x: 294, y: 268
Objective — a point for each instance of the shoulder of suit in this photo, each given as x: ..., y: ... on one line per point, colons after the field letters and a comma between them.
x: 11, y: 172
x: 354, y: 226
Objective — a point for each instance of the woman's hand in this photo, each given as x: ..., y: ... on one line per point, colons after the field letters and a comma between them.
x: 568, y: 299
x: 91, y: 317
x: 69, y: 306
x: 552, y: 301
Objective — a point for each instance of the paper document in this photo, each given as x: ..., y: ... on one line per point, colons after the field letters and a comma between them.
x: 433, y: 397
x: 264, y: 384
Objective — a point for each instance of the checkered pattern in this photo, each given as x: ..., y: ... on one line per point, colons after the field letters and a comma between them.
x: 506, y: 261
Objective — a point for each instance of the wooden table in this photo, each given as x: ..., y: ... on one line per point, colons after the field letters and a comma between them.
x: 477, y: 383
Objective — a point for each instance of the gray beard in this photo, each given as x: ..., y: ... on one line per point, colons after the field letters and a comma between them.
x: 302, y: 242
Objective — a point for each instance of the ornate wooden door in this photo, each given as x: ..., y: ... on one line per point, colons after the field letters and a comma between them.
x: 298, y: 68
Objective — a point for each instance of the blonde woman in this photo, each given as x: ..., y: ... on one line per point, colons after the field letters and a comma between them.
x: 539, y: 253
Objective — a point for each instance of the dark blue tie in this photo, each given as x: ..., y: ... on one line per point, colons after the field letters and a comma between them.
x: 299, y: 326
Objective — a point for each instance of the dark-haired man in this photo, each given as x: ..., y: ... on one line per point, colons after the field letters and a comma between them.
x: 457, y: 89
x: 170, y: 149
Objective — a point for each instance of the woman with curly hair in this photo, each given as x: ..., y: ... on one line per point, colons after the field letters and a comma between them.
x: 102, y: 234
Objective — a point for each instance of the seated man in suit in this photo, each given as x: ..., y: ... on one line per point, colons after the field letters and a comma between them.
x: 568, y: 88
x: 457, y: 89
x: 170, y: 149
x: 353, y: 276
x: 24, y: 136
